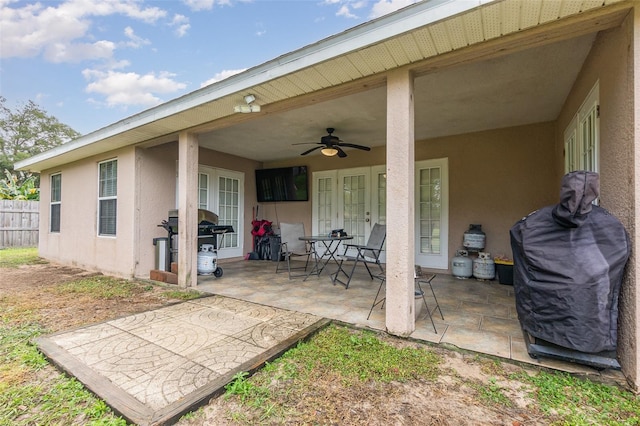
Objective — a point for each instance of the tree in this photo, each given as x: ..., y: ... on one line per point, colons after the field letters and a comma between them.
x: 27, y: 131
x: 18, y: 186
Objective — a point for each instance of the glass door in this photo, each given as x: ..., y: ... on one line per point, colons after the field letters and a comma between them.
x: 355, y: 199
x: 432, y: 213
x: 222, y: 192
x: 354, y: 203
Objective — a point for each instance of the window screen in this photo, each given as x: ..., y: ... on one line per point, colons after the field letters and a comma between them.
x: 107, y: 197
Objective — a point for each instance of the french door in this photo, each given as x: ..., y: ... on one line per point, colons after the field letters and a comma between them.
x: 222, y: 192
x: 355, y: 199
x: 348, y: 199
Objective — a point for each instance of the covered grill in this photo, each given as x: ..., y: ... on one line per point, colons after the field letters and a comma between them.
x: 569, y: 262
x: 208, y: 230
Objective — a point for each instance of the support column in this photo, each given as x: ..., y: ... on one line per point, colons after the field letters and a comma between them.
x: 187, y: 210
x: 400, y: 248
x: 629, y: 314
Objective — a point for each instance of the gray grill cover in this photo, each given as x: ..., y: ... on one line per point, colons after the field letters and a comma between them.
x: 569, y: 261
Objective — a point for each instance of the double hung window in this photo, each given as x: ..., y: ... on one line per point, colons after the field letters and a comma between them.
x: 56, y: 199
x: 108, y: 198
x: 581, y: 137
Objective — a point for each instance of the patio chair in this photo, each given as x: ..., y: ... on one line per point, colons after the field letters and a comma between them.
x: 291, y: 247
x: 361, y: 254
x: 422, y: 278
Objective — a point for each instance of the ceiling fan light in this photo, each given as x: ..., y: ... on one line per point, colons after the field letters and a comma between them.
x: 329, y: 151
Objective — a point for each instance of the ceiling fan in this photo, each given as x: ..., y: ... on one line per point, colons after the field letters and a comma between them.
x: 331, y: 145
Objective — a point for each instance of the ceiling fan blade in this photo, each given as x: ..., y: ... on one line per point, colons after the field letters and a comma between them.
x: 311, y: 150
x: 341, y: 153
x: 352, y: 145
x: 307, y: 143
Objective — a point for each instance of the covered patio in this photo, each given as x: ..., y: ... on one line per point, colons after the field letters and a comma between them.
x: 479, y: 315
x: 472, y: 112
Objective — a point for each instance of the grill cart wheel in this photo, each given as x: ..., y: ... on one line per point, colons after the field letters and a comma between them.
x: 217, y: 273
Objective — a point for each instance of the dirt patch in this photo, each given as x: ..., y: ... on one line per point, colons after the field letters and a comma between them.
x: 32, y: 288
x: 453, y: 399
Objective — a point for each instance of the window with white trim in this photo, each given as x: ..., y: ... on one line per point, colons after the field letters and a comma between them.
x: 55, y: 203
x: 222, y: 192
x: 203, y: 191
x: 582, y: 136
x: 107, y: 197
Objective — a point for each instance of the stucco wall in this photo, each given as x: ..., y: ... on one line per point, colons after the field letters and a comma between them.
x: 156, y: 189
x: 610, y: 63
x: 78, y: 243
x: 495, y: 178
x: 156, y: 186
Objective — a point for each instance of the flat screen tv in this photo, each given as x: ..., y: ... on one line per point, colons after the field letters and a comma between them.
x: 282, y: 184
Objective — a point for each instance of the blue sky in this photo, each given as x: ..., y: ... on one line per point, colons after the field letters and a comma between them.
x: 91, y: 63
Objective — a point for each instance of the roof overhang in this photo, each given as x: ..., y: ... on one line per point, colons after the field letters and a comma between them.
x: 426, y: 37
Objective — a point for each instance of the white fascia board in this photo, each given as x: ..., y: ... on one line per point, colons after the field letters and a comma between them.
x: 404, y: 20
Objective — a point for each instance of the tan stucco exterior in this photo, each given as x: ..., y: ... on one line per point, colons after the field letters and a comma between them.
x: 495, y: 178
x: 611, y: 65
x: 78, y: 243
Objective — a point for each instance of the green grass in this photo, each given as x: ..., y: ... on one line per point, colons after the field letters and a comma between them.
x: 334, y: 355
x: 31, y: 391
x: 492, y: 393
x: 32, y: 395
x: 105, y: 287
x: 181, y: 294
x: 14, y: 257
x: 582, y: 402
x: 101, y: 287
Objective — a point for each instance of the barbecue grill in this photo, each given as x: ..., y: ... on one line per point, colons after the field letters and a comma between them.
x: 208, y: 232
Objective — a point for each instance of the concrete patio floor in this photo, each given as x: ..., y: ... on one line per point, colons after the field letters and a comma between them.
x: 479, y: 316
x: 155, y: 366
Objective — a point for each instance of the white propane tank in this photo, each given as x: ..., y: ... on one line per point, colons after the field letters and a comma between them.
x: 206, y: 260
x: 474, y: 238
x: 484, y: 267
x: 461, y: 265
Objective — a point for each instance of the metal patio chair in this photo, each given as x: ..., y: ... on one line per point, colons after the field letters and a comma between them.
x: 419, y: 279
x: 368, y: 254
x: 291, y: 246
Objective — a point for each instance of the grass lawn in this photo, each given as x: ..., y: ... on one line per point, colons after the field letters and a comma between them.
x: 339, y: 376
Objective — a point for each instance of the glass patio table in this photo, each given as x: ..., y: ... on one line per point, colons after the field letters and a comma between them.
x: 330, y: 244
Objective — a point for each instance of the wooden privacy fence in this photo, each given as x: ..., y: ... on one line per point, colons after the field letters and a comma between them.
x: 18, y: 223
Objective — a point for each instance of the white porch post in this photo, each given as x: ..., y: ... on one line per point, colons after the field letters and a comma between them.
x: 400, y: 249
x: 187, y: 209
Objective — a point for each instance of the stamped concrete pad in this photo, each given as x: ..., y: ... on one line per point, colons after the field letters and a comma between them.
x: 155, y: 366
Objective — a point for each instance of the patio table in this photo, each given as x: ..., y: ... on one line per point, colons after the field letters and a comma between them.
x: 330, y: 244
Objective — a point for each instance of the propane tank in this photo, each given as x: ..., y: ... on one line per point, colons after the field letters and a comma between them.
x: 484, y: 267
x: 206, y: 260
x: 462, y: 265
x: 474, y: 238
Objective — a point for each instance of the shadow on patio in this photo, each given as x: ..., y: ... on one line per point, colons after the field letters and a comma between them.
x: 479, y: 316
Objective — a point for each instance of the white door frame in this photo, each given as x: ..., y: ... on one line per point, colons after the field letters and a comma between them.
x: 434, y: 260
x: 333, y: 201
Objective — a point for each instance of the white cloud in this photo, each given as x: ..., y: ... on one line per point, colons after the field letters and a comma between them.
x: 221, y: 76
x: 135, y: 41
x: 345, y: 11
x: 78, y: 52
x: 197, y: 5
x: 61, y: 30
x: 181, y: 24
x: 125, y: 89
x: 347, y: 7
x: 383, y: 7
